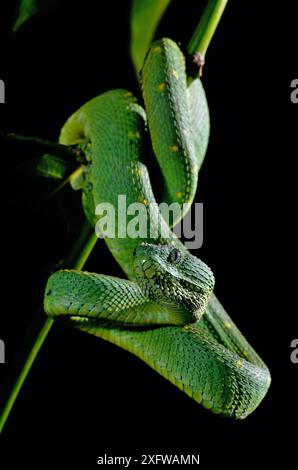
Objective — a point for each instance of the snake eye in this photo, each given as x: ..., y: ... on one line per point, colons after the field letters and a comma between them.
x: 175, y: 256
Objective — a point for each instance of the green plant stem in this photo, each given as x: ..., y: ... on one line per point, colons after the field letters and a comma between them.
x: 77, y: 259
x: 44, y: 331
x: 205, y: 30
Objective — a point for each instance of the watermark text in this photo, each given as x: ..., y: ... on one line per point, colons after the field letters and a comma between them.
x: 294, y: 353
x: 150, y: 221
x: 2, y: 352
x: 294, y: 93
x: 2, y: 91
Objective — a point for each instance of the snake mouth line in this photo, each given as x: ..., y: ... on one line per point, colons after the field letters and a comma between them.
x: 82, y: 322
x: 158, y: 276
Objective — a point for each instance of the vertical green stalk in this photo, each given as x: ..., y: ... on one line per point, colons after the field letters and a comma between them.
x: 77, y: 259
x: 205, y: 30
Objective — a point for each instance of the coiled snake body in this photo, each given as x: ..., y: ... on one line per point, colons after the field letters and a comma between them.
x: 165, y: 313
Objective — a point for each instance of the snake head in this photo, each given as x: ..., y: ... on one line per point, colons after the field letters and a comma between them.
x: 170, y: 276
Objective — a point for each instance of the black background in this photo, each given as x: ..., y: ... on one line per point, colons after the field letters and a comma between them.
x: 83, y: 392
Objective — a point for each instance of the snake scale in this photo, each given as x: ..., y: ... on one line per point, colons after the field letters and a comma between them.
x: 165, y: 312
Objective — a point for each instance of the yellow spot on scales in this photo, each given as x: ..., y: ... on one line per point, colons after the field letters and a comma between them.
x: 238, y: 363
x: 134, y: 134
x: 137, y: 171
x: 179, y: 194
x: 143, y: 200
x: 174, y: 148
x: 161, y: 86
x: 128, y: 93
x: 175, y: 74
x: 227, y: 325
x: 156, y: 49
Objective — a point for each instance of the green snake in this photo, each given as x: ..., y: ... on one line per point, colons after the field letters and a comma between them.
x: 165, y: 312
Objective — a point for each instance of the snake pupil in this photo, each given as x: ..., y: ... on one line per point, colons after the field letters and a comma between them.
x: 175, y: 256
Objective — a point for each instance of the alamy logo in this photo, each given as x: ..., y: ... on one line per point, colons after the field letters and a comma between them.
x: 294, y: 353
x: 294, y: 93
x: 150, y: 220
x: 2, y: 92
x: 2, y: 352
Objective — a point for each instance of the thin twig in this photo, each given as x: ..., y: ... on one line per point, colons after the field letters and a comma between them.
x: 201, y: 38
x: 50, y: 147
